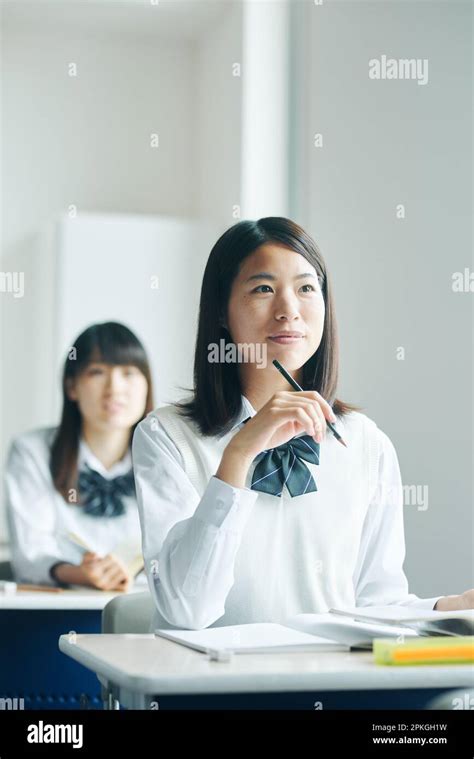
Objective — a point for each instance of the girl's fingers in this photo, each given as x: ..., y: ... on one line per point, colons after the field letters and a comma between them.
x: 312, y: 408
x: 114, y: 560
x: 102, y: 564
x: 111, y: 577
x: 115, y: 566
x: 120, y: 582
x: 90, y: 556
x: 322, y: 418
x: 299, y: 415
x: 324, y: 405
x: 326, y: 408
x: 123, y: 584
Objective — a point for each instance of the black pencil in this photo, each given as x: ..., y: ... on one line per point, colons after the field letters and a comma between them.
x: 296, y: 386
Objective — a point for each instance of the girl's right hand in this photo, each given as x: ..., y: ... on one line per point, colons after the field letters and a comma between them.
x: 107, y: 573
x: 285, y: 415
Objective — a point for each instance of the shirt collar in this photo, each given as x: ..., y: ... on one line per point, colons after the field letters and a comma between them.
x: 246, y: 410
x: 86, y: 456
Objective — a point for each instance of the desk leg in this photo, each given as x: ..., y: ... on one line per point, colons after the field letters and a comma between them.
x: 141, y: 702
x: 114, y: 703
x: 109, y: 702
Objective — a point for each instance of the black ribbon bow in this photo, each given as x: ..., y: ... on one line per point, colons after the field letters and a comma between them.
x: 101, y: 497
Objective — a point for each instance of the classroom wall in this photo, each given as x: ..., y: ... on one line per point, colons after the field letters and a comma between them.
x: 82, y: 142
x: 386, y: 143
x: 216, y: 132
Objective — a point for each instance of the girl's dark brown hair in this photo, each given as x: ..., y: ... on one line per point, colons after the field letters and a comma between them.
x: 216, y: 400
x: 109, y: 343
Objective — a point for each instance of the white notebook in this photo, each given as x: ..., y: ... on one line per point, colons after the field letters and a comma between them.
x: 336, y: 630
x: 427, y: 622
x: 253, y: 638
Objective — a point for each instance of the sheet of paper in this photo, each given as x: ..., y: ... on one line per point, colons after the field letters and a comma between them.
x: 402, y: 613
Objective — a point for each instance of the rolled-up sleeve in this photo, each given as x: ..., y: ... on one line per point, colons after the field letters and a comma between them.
x: 379, y: 578
x: 30, y: 516
x: 189, y: 542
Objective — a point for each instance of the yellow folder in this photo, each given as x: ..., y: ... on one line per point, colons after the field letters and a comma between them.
x: 442, y: 649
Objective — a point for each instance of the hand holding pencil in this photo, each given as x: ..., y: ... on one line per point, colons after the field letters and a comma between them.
x: 298, y: 387
x: 284, y: 416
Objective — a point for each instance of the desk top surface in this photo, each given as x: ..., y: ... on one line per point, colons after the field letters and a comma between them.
x: 76, y: 597
x: 148, y: 665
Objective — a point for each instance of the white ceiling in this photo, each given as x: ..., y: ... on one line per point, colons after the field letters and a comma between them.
x: 168, y: 19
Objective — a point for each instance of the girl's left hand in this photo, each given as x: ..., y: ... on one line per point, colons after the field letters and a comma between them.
x: 456, y: 603
x: 467, y: 598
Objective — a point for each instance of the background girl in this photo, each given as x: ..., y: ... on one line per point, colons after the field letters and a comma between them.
x: 77, y: 477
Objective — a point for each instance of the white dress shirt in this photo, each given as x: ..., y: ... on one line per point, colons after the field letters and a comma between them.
x: 39, y: 518
x: 221, y: 555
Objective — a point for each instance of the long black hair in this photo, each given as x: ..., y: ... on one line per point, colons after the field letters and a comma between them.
x: 216, y: 399
x: 110, y: 343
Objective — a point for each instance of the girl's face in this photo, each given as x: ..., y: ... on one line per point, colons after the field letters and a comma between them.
x: 110, y: 397
x: 277, y: 290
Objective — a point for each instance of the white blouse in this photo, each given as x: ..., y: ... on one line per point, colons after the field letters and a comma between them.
x: 39, y: 518
x: 220, y: 555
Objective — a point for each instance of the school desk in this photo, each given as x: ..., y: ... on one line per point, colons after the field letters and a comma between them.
x: 144, y: 672
x: 31, y: 667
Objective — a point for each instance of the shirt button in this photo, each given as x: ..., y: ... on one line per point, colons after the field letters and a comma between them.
x: 220, y: 503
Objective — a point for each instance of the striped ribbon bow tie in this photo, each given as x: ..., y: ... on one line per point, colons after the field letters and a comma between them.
x: 101, y: 497
x: 283, y: 466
